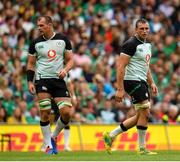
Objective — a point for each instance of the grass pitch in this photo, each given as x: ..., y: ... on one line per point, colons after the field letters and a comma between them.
x: 90, y: 156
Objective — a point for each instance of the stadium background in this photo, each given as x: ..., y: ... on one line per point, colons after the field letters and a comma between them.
x: 96, y: 29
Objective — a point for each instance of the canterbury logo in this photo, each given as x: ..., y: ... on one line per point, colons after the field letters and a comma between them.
x: 40, y: 46
x: 44, y: 88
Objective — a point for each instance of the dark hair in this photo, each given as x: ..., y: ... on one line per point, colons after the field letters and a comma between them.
x: 47, y: 18
x: 142, y: 20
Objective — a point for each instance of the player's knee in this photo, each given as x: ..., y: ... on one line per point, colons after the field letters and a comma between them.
x: 144, y: 114
x: 45, y: 104
x: 65, y: 109
x: 45, y: 115
x: 66, y: 114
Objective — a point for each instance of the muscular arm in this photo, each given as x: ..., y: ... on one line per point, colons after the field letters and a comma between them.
x: 149, y: 77
x: 122, y: 62
x: 31, y: 62
x: 70, y: 86
x: 151, y: 83
x: 68, y: 61
x: 68, y: 64
x: 30, y: 73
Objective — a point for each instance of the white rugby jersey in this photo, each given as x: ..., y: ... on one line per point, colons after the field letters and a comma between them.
x: 49, y: 55
x: 140, y: 53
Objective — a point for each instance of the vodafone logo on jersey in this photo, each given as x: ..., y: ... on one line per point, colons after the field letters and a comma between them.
x: 51, y: 54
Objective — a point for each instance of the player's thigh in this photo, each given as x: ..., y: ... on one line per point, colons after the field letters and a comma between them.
x: 143, y: 114
x: 42, y: 86
x: 43, y: 95
x: 58, y: 88
x: 61, y: 96
x: 138, y: 91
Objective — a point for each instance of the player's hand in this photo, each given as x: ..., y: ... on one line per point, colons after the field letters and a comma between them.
x: 62, y: 73
x: 154, y: 89
x: 31, y: 88
x: 119, y: 95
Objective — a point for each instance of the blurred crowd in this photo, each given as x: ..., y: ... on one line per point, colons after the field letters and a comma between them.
x: 96, y: 28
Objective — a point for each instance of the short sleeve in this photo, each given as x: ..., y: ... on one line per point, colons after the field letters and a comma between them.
x: 32, y: 49
x: 128, y: 48
x: 68, y: 44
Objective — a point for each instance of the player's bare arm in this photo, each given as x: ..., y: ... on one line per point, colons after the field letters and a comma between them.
x: 122, y: 62
x: 68, y: 64
x: 70, y: 86
x: 151, y: 83
x: 31, y: 72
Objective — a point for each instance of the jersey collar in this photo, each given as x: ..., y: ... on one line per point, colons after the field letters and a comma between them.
x: 50, y: 37
x: 140, y: 39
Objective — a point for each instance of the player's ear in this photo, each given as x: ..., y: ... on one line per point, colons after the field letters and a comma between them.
x: 136, y: 28
x: 50, y: 24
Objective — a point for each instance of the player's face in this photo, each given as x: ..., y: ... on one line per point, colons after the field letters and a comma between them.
x: 43, y: 26
x: 142, y: 30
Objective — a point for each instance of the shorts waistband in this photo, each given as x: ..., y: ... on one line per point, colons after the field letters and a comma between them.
x: 49, y: 79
